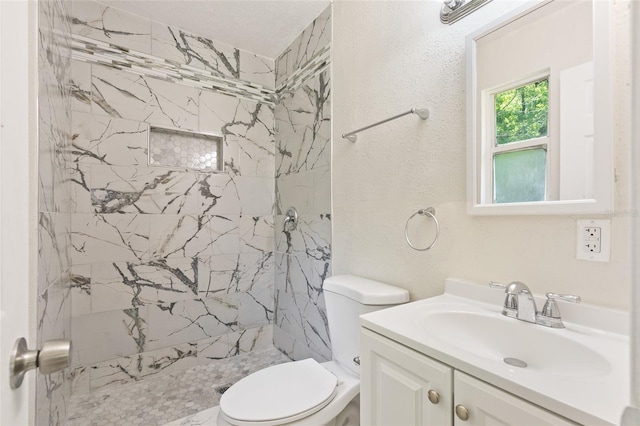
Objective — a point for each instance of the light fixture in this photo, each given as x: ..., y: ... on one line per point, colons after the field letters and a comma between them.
x: 453, y: 10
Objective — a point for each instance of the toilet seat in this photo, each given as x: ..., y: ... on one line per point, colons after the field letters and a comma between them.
x: 279, y: 394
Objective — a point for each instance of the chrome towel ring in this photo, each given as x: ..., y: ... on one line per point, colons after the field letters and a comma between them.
x: 431, y: 212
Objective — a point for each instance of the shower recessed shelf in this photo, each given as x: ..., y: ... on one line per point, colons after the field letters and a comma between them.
x: 185, y: 150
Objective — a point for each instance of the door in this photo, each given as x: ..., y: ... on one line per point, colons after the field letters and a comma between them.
x: 400, y: 386
x: 478, y: 404
x: 18, y: 30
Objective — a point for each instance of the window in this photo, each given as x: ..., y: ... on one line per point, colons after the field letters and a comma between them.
x: 517, y: 142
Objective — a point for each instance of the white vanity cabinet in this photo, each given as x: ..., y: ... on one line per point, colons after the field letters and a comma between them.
x: 488, y: 405
x: 401, y: 387
x: 397, y: 383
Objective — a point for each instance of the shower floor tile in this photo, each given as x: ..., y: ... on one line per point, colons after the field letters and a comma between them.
x: 159, y: 400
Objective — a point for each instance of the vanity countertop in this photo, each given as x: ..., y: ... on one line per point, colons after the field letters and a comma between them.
x: 590, y: 388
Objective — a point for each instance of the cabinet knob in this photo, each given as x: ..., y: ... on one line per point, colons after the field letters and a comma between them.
x: 434, y: 397
x: 462, y: 412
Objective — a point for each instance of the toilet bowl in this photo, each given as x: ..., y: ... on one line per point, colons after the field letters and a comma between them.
x: 307, y: 392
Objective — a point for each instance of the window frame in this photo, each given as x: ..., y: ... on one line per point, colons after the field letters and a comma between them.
x: 490, y: 146
x: 601, y: 201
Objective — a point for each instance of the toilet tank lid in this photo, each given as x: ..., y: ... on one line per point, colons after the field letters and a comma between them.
x: 365, y: 291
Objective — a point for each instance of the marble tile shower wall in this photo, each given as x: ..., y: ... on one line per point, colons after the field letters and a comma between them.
x: 303, y: 180
x: 54, y: 221
x: 170, y: 267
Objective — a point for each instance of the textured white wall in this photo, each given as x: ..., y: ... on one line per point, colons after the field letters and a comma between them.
x: 392, y: 55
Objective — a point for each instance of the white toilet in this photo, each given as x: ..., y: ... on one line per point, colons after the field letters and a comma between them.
x: 306, y: 392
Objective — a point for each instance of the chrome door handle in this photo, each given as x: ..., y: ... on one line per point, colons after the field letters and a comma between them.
x: 55, y: 355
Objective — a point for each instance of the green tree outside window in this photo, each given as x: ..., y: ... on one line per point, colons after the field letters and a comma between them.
x: 522, y: 113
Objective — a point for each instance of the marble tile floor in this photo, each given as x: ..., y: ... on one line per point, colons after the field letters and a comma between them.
x: 159, y: 400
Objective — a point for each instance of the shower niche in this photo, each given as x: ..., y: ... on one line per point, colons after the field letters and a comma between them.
x: 182, y: 149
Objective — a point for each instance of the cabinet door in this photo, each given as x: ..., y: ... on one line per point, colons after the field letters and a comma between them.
x: 488, y: 405
x: 395, y: 382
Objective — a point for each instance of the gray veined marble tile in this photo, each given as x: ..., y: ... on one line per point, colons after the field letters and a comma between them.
x: 311, y: 237
x: 54, y: 311
x: 239, y: 273
x: 107, y: 335
x: 256, y: 195
x: 80, y: 279
x: 281, y: 67
x: 214, y: 348
x: 305, y: 321
x: 192, y: 320
x: 116, y: 189
x: 248, y: 340
x: 109, y: 237
x: 144, y: 365
x: 99, y: 139
x: 219, y: 273
x: 256, y: 158
x: 122, y: 285
x: 257, y: 69
x: 187, y: 48
x: 256, y: 273
x: 80, y: 182
x: 80, y: 380
x: 80, y: 86
x: 134, y: 97
x: 301, y: 274
x: 250, y: 124
x: 256, y: 233
x: 293, y: 348
x: 53, y: 137
x: 219, y: 111
x: 212, y: 194
x: 230, y: 155
x: 313, y: 39
x: 256, y: 307
x: 227, y: 115
x: 233, y: 344
x: 304, y: 128
x: 104, y: 23
x: 53, y: 240
x: 193, y: 236
x: 52, y: 397
x: 295, y: 189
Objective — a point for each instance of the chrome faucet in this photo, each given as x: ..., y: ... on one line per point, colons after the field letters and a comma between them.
x: 520, y: 304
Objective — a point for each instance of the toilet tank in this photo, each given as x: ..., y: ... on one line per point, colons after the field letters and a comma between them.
x: 347, y: 297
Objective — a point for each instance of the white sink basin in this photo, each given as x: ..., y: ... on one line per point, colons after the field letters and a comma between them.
x: 496, y: 337
x: 580, y: 372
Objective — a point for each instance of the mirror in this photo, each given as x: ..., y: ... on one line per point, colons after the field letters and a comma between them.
x: 540, y: 111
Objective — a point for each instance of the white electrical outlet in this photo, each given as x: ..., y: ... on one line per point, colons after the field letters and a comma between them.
x: 594, y: 240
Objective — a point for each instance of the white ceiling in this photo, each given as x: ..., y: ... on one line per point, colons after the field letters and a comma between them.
x: 265, y: 27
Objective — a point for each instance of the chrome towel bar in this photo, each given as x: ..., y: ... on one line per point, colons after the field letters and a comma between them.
x: 423, y: 113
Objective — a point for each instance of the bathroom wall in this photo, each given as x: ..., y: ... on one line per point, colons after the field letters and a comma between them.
x: 54, y: 221
x: 303, y: 180
x: 171, y: 267
x: 391, y: 56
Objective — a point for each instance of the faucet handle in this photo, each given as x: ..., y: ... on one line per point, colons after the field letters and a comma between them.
x: 550, y: 314
x: 495, y: 284
x: 510, y: 308
x: 566, y: 297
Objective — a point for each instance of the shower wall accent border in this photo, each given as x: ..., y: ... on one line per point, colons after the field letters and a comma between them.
x: 101, y: 53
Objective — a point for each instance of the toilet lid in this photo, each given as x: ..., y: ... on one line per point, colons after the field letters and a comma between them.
x: 279, y: 394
